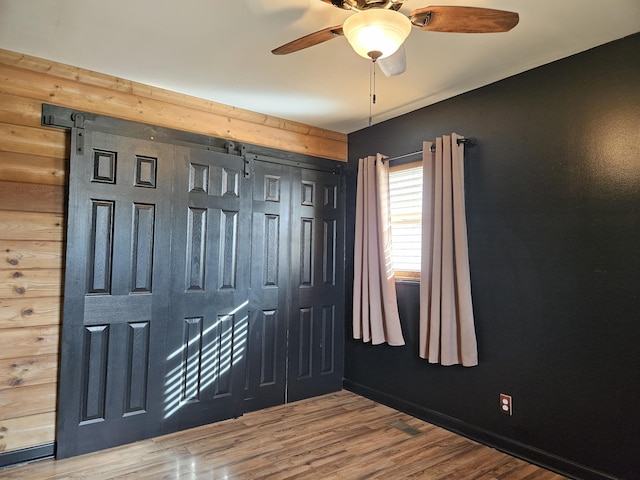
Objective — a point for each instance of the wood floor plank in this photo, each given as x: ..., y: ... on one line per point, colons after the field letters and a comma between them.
x: 336, y: 436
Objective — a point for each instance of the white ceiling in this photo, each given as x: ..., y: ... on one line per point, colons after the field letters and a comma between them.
x: 220, y: 50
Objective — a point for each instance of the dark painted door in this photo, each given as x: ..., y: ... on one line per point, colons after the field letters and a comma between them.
x: 115, y: 308
x: 207, y: 328
x: 296, y: 327
x: 194, y: 291
x: 316, y: 320
x: 270, y: 241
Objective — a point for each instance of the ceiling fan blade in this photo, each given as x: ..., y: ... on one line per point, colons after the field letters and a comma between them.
x: 309, y: 40
x: 463, y: 19
x: 394, y: 64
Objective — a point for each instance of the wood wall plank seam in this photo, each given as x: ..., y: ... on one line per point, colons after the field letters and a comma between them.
x: 32, y: 197
x: 31, y: 370
x: 27, y: 341
x: 34, y: 140
x: 30, y: 283
x: 23, y: 432
x: 30, y: 312
x: 31, y: 226
x: 31, y: 254
x: 29, y: 168
x: 28, y: 400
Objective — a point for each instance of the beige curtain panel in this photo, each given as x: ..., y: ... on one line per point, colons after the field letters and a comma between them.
x: 447, y: 331
x: 375, y: 305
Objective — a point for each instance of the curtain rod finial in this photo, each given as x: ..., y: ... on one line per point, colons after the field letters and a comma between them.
x: 468, y: 142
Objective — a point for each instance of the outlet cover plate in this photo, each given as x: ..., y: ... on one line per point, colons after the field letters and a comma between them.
x: 506, y: 404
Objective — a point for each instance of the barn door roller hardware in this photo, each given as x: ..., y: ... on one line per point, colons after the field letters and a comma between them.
x: 248, y: 158
x: 78, y: 124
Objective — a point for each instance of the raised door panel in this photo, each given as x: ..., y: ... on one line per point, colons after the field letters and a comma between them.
x: 115, y: 292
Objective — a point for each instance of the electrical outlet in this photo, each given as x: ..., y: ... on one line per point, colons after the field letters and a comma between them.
x: 506, y: 404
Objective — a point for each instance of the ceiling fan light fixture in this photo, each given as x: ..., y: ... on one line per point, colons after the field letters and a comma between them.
x: 377, y: 32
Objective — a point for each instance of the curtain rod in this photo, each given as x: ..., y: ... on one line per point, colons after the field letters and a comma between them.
x: 468, y: 142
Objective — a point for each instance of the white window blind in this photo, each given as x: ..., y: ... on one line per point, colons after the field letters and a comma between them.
x: 405, y: 199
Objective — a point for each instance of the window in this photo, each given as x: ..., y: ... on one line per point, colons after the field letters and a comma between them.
x: 405, y: 200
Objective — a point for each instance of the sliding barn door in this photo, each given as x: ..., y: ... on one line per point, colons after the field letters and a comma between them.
x: 316, y: 322
x: 195, y: 289
x: 296, y: 320
x: 207, y: 328
x: 270, y: 240
x: 116, y: 292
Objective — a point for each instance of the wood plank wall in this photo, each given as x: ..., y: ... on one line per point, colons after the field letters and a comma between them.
x: 33, y: 173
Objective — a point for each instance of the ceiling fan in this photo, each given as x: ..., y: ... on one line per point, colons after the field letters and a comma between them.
x: 378, y: 30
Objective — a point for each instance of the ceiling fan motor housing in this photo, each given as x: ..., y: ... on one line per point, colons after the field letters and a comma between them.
x: 360, y: 5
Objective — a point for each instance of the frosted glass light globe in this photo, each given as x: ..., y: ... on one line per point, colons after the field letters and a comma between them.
x: 376, y: 33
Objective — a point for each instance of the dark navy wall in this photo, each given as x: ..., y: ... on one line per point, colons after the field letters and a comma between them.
x: 553, y: 214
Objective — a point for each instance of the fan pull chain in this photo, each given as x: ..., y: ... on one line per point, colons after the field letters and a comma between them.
x: 372, y: 90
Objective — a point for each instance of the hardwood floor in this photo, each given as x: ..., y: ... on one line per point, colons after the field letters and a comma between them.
x: 336, y: 436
